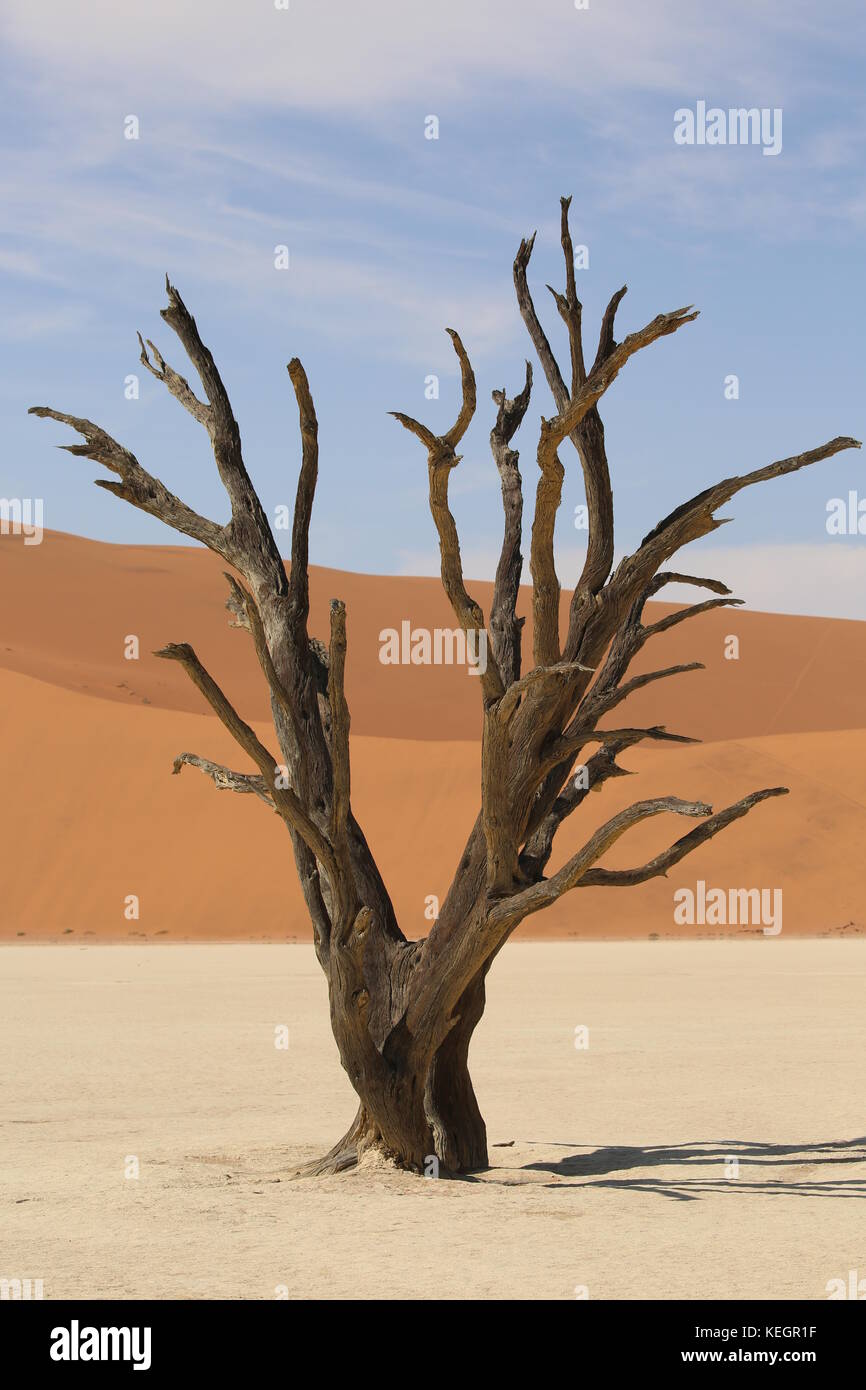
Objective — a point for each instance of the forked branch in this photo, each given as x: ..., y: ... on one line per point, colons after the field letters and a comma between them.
x: 578, y: 419
x: 696, y: 518
x: 578, y: 867
x: 284, y: 798
x: 441, y: 458
x: 659, y: 865
x: 138, y: 487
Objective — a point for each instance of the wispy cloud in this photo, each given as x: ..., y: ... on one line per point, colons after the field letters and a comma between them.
x: 333, y: 58
x: 262, y: 127
x: 44, y: 324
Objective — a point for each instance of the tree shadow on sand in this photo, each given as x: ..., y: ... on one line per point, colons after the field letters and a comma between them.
x: 595, y: 1168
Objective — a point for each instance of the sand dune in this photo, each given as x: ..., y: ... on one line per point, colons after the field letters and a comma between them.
x: 92, y: 815
x: 69, y: 604
x: 98, y: 816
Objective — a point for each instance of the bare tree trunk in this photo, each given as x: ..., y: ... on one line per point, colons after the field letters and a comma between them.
x: 403, y: 1013
x: 416, y: 1106
x: 459, y: 1131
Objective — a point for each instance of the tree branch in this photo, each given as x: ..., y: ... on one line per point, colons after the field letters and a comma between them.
x: 550, y: 366
x: 299, y: 583
x: 447, y: 962
x: 658, y: 867
x: 620, y: 693
x: 248, y: 517
x: 241, y: 602
x: 618, y: 615
x: 285, y: 800
x: 500, y: 833
x: 467, y: 404
x: 540, y: 677
x: 294, y: 663
x: 508, y: 913
x: 339, y: 724
x: 633, y: 635
x: 441, y: 458
x: 177, y: 385
x: 667, y: 577
x: 696, y: 518
x: 539, y: 841
x: 587, y: 437
x: 557, y: 762
x: 569, y: 305
x: 578, y: 418
x: 568, y: 746
x: 226, y: 780
x: 606, y: 373
x: 606, y: 340
x: 542, y: 562
x: 682, y: 614
x: 138, y: 487
x: 505, y: 626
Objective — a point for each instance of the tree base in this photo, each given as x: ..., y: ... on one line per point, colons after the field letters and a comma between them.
x: 464, y: 1154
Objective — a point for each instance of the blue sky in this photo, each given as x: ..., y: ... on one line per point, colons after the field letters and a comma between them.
x: 305, y: 127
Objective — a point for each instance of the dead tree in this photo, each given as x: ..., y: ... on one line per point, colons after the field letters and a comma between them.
x: 403, y: 1012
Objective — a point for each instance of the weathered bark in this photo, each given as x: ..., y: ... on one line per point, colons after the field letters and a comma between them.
x: 459, y: 1131
x: 505, y: 626
x: 403, y: 1013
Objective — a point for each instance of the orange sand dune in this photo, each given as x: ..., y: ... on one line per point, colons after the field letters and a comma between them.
x: 70, y: 603
x: 91, y: 814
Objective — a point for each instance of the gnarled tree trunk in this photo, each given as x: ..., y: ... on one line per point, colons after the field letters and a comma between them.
x: 403, y: 1013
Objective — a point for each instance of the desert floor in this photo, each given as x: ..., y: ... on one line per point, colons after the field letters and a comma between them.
x: 612, y: 1171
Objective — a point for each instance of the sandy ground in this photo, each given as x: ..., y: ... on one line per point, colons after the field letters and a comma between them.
x: 616, y: 1173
